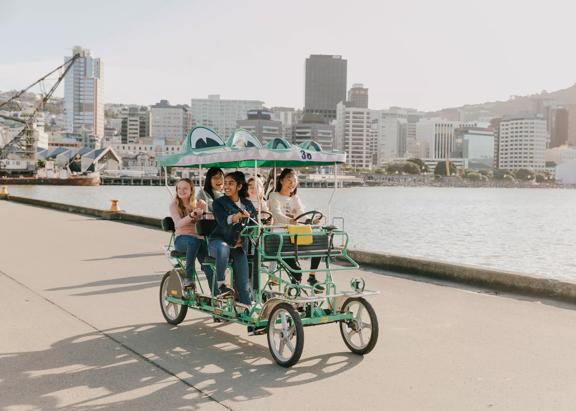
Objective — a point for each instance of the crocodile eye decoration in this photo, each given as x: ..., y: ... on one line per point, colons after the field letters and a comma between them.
x: 243, y: 139
x: 201, y: 137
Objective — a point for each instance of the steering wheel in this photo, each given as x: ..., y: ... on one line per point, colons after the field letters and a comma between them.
x: 265, y: 220
x: 316, y: 215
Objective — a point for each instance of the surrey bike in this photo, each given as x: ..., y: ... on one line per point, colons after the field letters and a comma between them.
x: 281, y: 306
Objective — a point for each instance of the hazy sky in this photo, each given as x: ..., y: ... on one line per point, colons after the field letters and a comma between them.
x: 422, y: 54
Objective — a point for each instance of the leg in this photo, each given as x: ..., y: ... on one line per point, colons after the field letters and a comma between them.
x: 314, y: 263
x: 220, y: 251
x: 207, y: 269
x: 293, y: 263
x: 189, y: 245
x: 241, y: 280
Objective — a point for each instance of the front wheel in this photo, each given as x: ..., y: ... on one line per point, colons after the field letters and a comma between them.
x: 361, y: 332
x: 172, y: 312
x: 285, y: 335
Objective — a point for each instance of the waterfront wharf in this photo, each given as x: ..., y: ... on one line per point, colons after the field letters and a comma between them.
x: 81, y: 328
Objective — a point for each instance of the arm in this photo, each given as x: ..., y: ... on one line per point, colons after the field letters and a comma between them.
x: 297, y: 206
x: 277, y: 210
x: 179, y: 222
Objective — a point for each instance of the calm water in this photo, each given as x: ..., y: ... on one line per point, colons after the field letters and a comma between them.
x: 525, y: 230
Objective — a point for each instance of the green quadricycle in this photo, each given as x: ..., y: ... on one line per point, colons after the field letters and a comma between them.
x: 281, y: 307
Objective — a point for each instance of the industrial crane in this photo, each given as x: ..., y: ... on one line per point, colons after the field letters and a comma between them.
x: 18, y: 156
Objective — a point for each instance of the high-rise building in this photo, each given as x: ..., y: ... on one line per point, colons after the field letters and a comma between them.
x: 571, y: 108
x: 288, y: 117
x: 83, y: 103
x: 358, y: 96
x: 313, y: 127
x: 260, y: 124
x: 354, y: 135
x: 439, y: 136
x: 221, y: 115
x: 169, y: 122
x: 325, y: 84
x: 390, y: 137
x: 522, y: 143
x: 558, y: 127
x: 135, y: 124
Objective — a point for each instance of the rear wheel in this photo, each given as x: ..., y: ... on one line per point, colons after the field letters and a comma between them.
x: 285, y: 335
x: 361, y: 332
x: 172, y: 312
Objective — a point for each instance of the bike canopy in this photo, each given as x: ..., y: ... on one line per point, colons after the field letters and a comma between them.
x: 204, y: 148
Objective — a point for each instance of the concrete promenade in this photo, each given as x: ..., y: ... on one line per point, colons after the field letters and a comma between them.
x: 81, y: 329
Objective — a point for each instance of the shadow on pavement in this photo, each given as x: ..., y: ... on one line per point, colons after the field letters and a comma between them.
x: 116, y: 285
x: 90, y: 371
x: 125, y: 256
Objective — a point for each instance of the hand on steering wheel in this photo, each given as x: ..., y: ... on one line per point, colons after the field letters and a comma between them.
x: 316, y: 216
x: 265, y: 220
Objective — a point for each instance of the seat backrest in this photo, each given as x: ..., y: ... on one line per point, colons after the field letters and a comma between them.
x: 168, y: 224
x: 205, y: 227
x: 320, y: 244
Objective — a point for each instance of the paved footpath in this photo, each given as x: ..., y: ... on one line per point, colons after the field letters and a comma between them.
x: 81, y: 329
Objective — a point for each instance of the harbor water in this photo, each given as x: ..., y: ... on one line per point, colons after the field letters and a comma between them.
x: 531, y: 231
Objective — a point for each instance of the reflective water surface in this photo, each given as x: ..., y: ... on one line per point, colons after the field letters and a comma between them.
x: 525, y: 230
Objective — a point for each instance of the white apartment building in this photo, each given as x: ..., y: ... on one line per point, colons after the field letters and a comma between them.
x: 354, y: 135
x: 169, y: 122
x: 438, y: 136
x: 522, y: 144
x: 135, y: 124
x: 390, y: 135
x: 221, y: 115
x: 83, y: 102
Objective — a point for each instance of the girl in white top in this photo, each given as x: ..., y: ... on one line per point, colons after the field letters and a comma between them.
x: 285, y: 205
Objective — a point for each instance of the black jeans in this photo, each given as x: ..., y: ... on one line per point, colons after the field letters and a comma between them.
x: 294, y: 264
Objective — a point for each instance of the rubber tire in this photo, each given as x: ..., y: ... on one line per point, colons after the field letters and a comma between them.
x: 299, y: 335
x: 183, y: 308
x: 373, y: 320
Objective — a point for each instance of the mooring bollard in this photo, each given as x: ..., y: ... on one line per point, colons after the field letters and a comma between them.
x: 114, y: 207
x: 3, y: 191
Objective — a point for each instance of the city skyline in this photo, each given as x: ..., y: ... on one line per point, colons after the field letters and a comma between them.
x: 422, y: 56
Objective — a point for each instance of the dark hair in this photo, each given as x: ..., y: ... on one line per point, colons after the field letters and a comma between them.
x: 240, y: 178
x: 212, y: 171
x: 283, y: 174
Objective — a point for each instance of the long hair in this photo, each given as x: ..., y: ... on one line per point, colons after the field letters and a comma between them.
x: 259, y: 187
x: 284, y: 173
x: 212, y: 171
x: 182, y: 207
x: 240, y: 179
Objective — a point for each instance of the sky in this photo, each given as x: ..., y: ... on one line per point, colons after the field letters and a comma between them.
x: 418, y: 54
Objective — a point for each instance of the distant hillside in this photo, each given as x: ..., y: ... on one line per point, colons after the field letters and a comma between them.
x: 516, y: 105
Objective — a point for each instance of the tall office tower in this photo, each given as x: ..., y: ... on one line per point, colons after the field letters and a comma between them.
x: 558, y: 127
x: 260, y: 124
x: 571, y: 124
x: 354, y: 135
x: 135, y: 124
x: 169, y: 122
x: 358, y: 96
x: 221, y: 115
x: 495, y: 128
x: 325, y: 84
x: 522, y: 143
x: 83, y: 103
